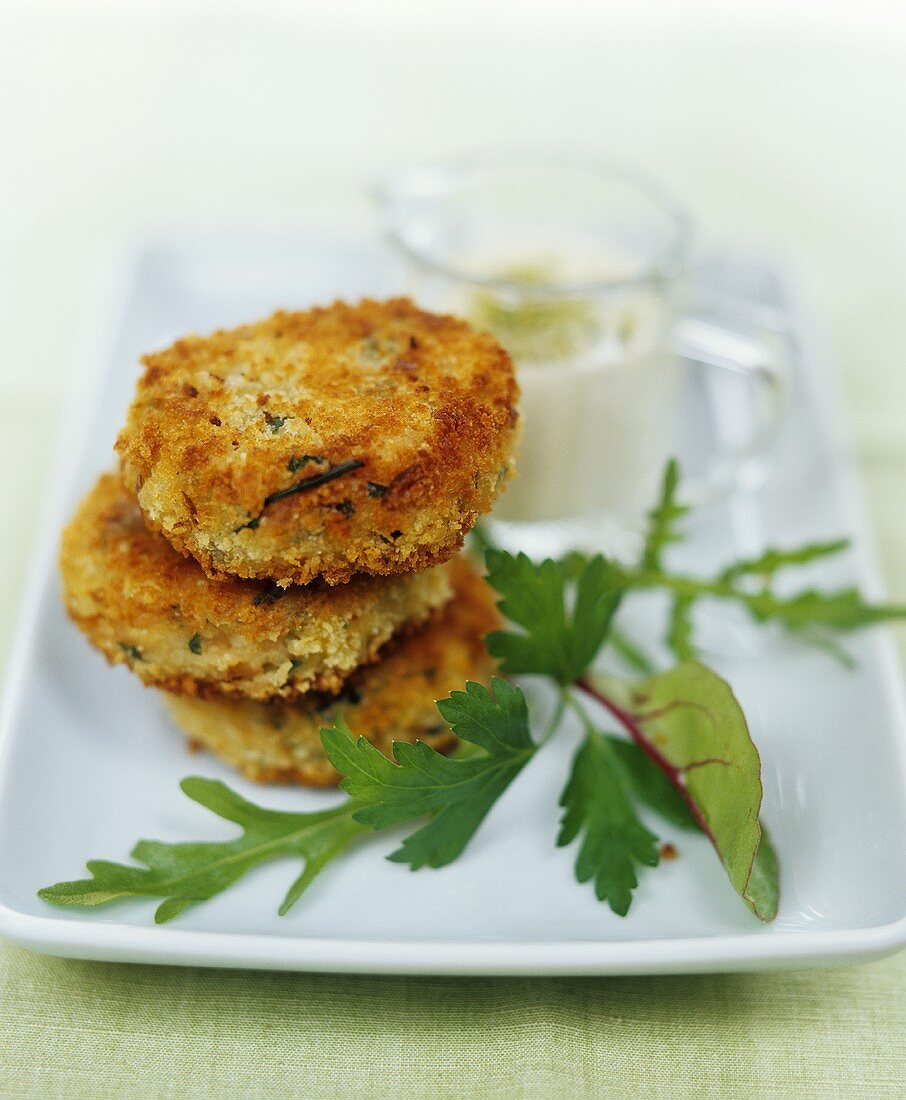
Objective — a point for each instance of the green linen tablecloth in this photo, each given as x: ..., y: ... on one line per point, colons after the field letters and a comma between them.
x: 77, y: 1029
x: 777, y: 130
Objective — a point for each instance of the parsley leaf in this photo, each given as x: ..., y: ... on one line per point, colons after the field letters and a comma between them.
x: 558, y: 640
x: 455, y: 793
x: 186, y: 873
x: 597, y: 804
x: 651, y: 785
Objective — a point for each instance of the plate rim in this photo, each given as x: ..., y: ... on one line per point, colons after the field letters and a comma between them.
x: 191, y: 947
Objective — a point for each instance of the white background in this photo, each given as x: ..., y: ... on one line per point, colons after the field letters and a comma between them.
x: 781, y: 125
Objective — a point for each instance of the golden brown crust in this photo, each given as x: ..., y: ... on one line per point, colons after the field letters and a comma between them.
x: 410, y: 415
x: 143, y: 604
x: 391, y: 700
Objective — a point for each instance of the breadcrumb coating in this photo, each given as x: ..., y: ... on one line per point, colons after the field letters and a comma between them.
x: 324, y: 443
x: 143, y: 604
x: 391, y: 700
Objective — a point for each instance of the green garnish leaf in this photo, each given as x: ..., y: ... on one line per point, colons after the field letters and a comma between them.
x: 456, y: 794
x: 689, y: 722
x: 766, y: 564
x: 689, y: 759
x: 813, y: 616
x: 183, y: 874
x: 663, y: 519
x: 561, y: 637
x: 650, y: 784
x: 763, y: 892
x: 843, y: 610
x: 597, y: 804
x: 679, y: 630
x: 275, y: 423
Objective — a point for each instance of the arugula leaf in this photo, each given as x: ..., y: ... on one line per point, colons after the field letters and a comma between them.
x: 455, y: 793
x: 831, y: 646
x: 186, y: 873
x: 558, y: 641
x: 812, y: 615
x: 679, y: 630
x: 842, y: 610
x: 691, y: 725
x: 535, y: 598
x: 766, y: 564
x: 614, y: 841
x: 663, y: 519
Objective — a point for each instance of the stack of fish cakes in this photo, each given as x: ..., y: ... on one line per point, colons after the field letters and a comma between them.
x: 281, y: 539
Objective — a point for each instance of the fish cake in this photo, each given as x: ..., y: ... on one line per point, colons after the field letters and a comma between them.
x: 143, y: 604
x: 391, y: 700
x: 339, y: 440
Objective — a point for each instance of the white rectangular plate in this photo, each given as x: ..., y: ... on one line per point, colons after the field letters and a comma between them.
x: 90, y: 762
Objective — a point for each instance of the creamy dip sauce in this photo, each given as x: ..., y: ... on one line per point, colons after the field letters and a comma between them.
x: 597, y: 379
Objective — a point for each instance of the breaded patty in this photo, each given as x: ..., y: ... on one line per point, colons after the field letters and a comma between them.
x: 392, y: 700
x: 142, y: 603
x: 353, y: 438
